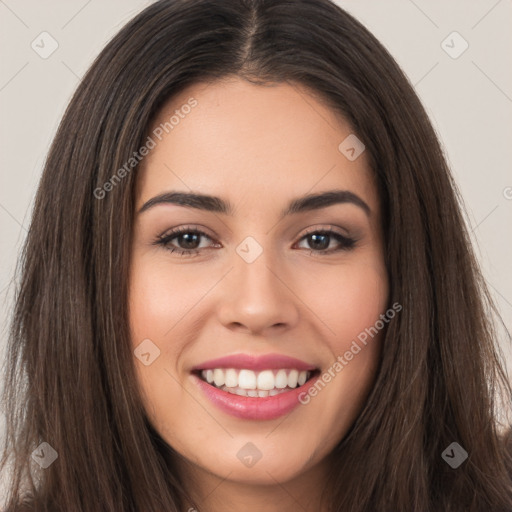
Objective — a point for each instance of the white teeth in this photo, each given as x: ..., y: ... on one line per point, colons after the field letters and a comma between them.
x: 292, y: 378
x: 218, y: 377
x: 281, y: 379
x: 253, y: 393
x: 247, y: 379
x: 265, y: 380
x: 255, y: 384
x: 231, y: 378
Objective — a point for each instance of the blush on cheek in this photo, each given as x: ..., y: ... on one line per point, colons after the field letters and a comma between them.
x: 356, y: 301
x: 158, y: 302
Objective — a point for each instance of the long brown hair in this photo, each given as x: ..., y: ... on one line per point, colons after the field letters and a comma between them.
x: 70, y: 377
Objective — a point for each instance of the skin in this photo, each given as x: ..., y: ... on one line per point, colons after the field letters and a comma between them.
x: 258, y: 147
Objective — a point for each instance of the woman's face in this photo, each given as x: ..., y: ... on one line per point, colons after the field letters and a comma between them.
x: 264, y: 296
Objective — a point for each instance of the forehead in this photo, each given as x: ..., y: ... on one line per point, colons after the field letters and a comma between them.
x: 247, y: 142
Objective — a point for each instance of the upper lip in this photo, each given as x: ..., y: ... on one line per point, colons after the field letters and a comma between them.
x: 256, y: 363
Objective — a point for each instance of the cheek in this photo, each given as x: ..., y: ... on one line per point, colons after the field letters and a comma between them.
x: 157, y: 301
x: 159, y: 298
x: 347, y: 299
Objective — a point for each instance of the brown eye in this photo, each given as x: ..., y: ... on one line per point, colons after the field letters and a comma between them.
x: 320, y: 241
x: 185, y: 241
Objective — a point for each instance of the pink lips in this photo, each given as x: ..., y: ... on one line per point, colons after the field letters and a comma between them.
x: 254, y: 408
x: 256, y: 363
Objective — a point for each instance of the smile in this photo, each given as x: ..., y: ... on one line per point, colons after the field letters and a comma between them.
x: 255, y: 387
x: 244, y: 382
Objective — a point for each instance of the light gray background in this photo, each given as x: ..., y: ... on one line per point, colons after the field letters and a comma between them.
x: 469, y: 100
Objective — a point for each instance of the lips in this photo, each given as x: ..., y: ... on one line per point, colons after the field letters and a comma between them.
x: 255, y: 387
x: 256, y: 363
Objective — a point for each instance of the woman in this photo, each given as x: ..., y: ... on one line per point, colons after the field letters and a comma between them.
x: 247, y: 284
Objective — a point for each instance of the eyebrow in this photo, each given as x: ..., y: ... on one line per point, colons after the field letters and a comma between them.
x: 217, y: 205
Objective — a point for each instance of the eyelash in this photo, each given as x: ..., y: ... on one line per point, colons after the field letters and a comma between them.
x: 346, y: 243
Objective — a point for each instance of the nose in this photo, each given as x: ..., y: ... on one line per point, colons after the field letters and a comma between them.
x: 258, y: 298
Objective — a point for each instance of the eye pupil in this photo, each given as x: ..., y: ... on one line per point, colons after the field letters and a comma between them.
x: 190, y: 240
x: 323, y: 244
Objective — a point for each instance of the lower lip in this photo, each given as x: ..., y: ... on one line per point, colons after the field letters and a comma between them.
x: 254, y: 408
